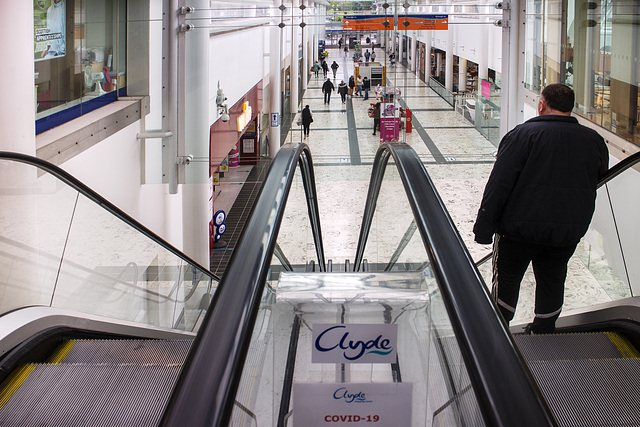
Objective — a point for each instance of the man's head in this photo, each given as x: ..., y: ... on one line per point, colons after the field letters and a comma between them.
x: 556, y: 99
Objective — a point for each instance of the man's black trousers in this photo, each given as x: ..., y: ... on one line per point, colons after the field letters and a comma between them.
x: 511, y: 259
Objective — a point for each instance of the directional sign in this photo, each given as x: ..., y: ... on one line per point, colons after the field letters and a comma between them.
x: 275, y: 120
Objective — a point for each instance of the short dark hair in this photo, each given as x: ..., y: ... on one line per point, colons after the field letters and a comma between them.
x: 559, y: 97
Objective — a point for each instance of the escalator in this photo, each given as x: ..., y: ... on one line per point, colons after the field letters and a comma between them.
x: 101, y: 333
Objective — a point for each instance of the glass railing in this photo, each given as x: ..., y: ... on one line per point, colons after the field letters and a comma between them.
x: 444, y: 93
x: 394, y: 242
x: 64, y: 246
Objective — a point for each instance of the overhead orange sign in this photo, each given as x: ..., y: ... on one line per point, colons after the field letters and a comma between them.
x: 408, y: 22
x: 366, y: 23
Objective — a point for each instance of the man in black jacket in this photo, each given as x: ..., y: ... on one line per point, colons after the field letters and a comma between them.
x: 327, y: 88
x: 538, y: 202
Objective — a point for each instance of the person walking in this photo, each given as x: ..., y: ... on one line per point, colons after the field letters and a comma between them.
x: 376, y: 117
x: 346, y: 51
x: 342, y: 90
x: 367, y: 55
x: 373, y: 56
x: 538, y: 203
x: 358, y: 85
x: 366, y: 85
x: 316, y: 68
x: 327, y: 88
x: 334, y: 68
x: 307, y: 119
x: 352, y: 86
x: 325, y: 68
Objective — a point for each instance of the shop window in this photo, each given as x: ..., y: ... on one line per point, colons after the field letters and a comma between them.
x: 79, y: 54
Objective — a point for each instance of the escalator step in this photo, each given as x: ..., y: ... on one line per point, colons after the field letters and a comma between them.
x: 601, y: 392
x: 99, y: 395
x: 159, y: 352
x: 570, y: 346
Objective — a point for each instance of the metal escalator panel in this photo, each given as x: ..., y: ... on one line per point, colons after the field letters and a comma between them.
x: 91, y: 395
x: 570, y: 346
x: 591, y: 392
x: 128, y: 352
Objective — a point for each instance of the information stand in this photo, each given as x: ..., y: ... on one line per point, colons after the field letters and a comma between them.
x: 360, y: 343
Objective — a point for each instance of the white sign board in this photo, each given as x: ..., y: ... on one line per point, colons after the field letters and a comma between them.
x: 275, y: 120
x: 354, y: 343
x: 341, y: 404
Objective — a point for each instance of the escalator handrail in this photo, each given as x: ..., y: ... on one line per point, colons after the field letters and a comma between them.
x: 619, y: 168
x: 205, y: 392
x: 92, y: 195
x: 504, y: 387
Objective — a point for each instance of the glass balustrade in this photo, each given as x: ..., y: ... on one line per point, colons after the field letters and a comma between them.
x: 59, y: 248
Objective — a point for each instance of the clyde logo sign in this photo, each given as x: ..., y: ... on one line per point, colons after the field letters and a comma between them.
x: 354, y: 343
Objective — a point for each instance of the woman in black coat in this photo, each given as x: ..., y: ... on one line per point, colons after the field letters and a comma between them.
x: 307, y: 118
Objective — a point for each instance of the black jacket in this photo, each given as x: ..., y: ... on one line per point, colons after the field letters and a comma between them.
x: 342, y: 88
x: 366, y: 84
x: 306, y: 116
x: 542, y: 188
x: 327, y: 86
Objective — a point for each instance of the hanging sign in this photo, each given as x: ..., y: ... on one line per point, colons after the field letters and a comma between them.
x: 423, y: 22
x: 366, y: 23
x: 409, y: 22
x: 352, y: 404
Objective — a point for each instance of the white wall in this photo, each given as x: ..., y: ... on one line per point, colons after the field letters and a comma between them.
x: 237, y: 62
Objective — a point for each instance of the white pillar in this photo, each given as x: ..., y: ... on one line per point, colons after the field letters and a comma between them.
x: 415, y: 55
x: 295, y: 41
x: 195, y: 192
x: 483, y: 55
x: 306, y: 60
x: 448, y: 74
x: 462, y: 75
x: 275, y: 82
x: 17, y: 85
x: 511, y: 102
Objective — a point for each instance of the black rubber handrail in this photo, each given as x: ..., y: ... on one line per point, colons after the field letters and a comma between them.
x: 506, y: 392
x: 83, y: 189
x: 206, y: 389
x: 618, y: 168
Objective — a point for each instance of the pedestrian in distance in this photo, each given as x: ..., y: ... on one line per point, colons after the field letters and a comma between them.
x: 334, y: 68
x: 538, y: 203
x: 325, y: 68
x: 367, y: 55
x: 352, y: 85
x: 359, y: 85
x: 346, y: 51
x: 376, y: 117
x: 342, y: 90
x: 373, y: 56
x: 316, y: 68
x: 307, y: 119
x: 366, y: 85
x: 327, y: 88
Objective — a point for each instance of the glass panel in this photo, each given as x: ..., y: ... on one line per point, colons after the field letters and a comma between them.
x: 111, y: 269
x: 35, y: 213
x: 451, y: 400
x: 394, y: 242
x: 294, y: 246
x: 61, y: 249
